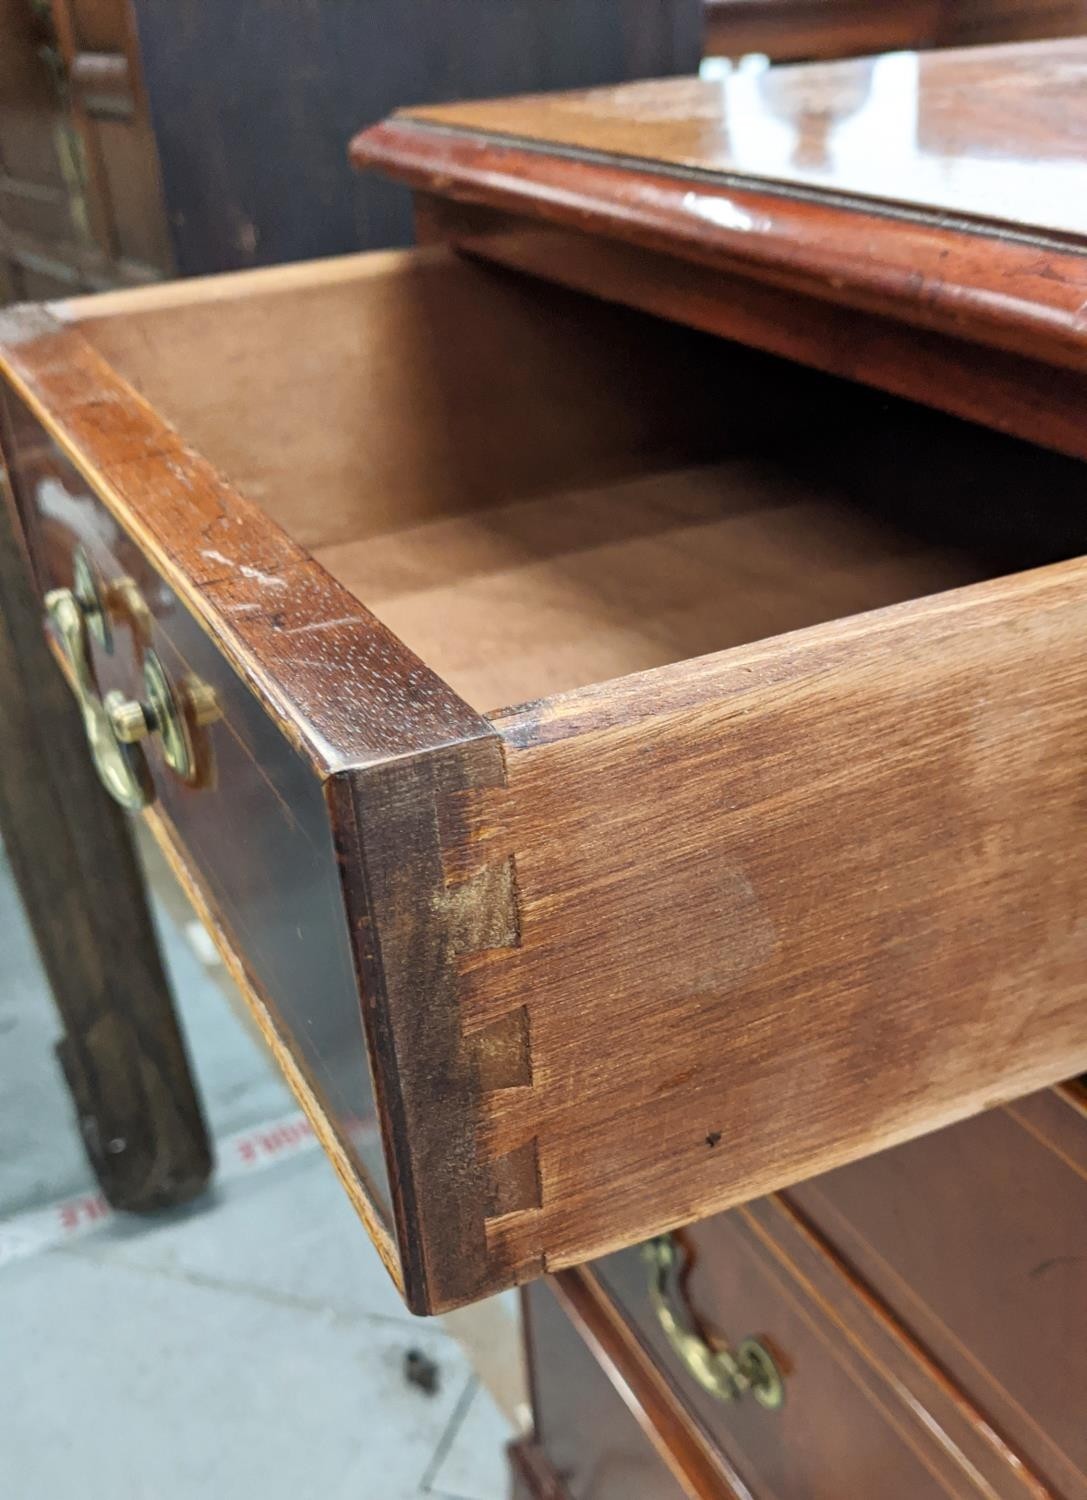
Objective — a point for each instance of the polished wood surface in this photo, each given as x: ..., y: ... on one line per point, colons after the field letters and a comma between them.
x: 255, y: 828
x: 121, y: 1051
x: 1013, y: 393
x: 604, y: 1418
x: 897, y: 1298
x: 993, y: 289
x: 866, y: 1410
x: 988, y: 132
x: 969, y: 246
x: 787, y: 30
x: 975, y: 1236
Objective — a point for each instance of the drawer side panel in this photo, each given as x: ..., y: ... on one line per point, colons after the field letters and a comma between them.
x: 785, y: 906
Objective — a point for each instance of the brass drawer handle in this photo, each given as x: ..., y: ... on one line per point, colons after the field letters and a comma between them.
x: 121, y: 769
x: 115, y: 724
x: 726, y: 1373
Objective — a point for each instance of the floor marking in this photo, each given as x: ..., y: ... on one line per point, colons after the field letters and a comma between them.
x: 236, y: 1156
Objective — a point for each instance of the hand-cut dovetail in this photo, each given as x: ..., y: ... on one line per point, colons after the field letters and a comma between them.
x: 479, y: 905
x: 472, y: 830
x: 482, y: 910
x: 504, y: 1063
x: 514, y: 1181
x: 503, y: 1052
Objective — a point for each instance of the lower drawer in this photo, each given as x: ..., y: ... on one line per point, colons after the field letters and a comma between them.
x: 977, y: 1236
x: 594, y: 1438
x: 899, y: 1327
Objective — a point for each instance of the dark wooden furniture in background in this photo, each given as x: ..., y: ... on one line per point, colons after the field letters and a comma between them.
x: 103, y: 101
x: 80, y: 200
x: 311, y: 74
x: 142, y: 136
x: 801, y: 30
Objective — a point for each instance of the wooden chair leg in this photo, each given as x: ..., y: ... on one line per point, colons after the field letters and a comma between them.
x: 71, y: 851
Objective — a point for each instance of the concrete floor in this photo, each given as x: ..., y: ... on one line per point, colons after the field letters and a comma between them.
x: 251, y: 1345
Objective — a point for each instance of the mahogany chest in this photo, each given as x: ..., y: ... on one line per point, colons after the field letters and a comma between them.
x: 611, y: 677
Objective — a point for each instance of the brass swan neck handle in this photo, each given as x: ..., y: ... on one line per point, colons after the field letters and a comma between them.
x: 115, y: 725
x: 727, y: 1373
x: 122, y: 768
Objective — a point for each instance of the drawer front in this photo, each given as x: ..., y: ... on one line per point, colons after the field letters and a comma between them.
x: 332, y: 838
x: 977, y: 1236
x: 863, y: 1409
x: 250, y: 834
x: 595, y: 1440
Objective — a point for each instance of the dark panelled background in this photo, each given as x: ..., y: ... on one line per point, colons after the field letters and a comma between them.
x: 254, y: 101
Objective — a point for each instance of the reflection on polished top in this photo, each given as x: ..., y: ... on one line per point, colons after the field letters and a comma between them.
x: 998, y: 133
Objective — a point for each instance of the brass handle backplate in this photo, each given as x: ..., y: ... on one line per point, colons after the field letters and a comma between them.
x: 726, y: 1373
x: 115, y: 725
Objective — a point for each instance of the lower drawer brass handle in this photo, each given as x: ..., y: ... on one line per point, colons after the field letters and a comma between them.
x: 726, y: 1373
x: 121, y: 768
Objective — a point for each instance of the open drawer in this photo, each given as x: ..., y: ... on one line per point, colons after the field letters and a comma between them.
x: 782, y: 861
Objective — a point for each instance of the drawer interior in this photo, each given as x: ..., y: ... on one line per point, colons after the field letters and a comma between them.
x: 536, y: 490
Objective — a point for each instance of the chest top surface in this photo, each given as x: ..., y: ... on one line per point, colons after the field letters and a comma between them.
x: 945, y: 191
x: 995, y: 133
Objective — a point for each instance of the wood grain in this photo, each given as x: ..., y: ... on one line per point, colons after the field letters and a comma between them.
x: 838, y: 858
x: 693, y: 933
x: 409, y: 385
x: 80, y: 201
x: 607, y: 165
x: 255, y: 831
x: 975, y: 1236
x: 846, y: 1279
x: 1012, y: 393
x: 228, y: 595
x: 581, y: 586
x: 891, y: 133
x: 247, y: 584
